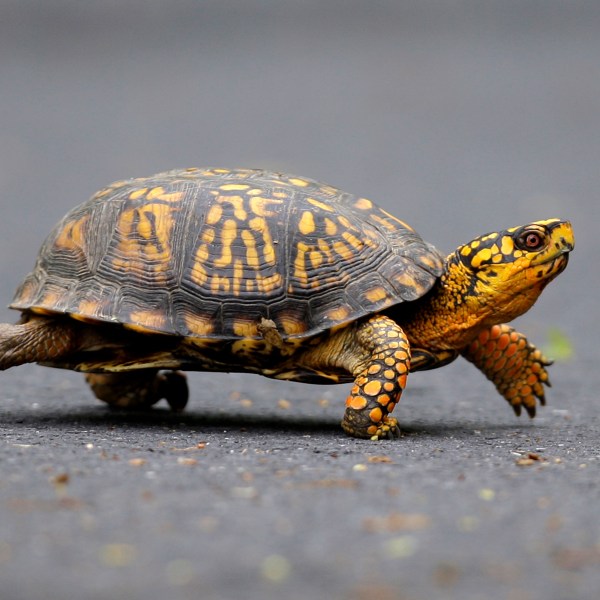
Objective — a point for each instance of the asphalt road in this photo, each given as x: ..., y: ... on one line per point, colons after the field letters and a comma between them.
x: 461, y: 118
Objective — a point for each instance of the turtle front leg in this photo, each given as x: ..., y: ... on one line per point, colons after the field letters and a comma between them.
x: 515, y: 366
x: 140, y: 389
x: 380, y: 378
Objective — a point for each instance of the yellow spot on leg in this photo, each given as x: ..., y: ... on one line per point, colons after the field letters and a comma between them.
x: 356, y: 402
x: 376, y: 415
x: 372, y: 388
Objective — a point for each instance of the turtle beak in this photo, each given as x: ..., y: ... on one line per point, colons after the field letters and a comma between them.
x: 561, y: 242
x: 561, y: 234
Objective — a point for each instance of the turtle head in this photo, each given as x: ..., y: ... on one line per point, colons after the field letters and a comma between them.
x: 506, y: 271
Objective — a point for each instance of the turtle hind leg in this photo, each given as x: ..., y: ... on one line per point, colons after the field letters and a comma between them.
x: 140, y: 388
x: 38, y: 339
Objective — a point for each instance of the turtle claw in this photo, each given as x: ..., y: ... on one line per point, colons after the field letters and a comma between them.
x: 388, y: 430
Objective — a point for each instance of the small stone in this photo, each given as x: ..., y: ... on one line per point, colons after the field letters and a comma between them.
x: 359, y: 467
x: 487, y: 494
x: 117, y: 555
x: 276, y: 568
x: 401, y: 547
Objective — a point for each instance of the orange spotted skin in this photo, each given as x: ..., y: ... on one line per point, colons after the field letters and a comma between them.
x: 516, y: 367
x: 280, y: 275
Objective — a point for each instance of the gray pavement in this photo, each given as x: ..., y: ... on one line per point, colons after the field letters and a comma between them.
x: 461, y: 118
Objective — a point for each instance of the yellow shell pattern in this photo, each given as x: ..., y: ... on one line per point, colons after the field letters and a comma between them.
x: 211, y: 253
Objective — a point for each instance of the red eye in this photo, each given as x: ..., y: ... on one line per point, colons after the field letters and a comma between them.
x: 530, y: 240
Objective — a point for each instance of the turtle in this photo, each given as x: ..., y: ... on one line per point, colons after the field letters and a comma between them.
x: 248, y: 270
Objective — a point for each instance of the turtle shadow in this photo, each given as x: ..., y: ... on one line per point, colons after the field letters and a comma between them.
x: 225, y: 422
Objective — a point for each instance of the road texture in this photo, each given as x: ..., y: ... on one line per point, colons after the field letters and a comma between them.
x: 461, y: 118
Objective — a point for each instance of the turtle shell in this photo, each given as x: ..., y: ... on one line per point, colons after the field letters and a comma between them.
x: 210, y: 253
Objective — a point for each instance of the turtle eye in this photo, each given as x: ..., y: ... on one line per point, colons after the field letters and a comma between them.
x: 530, y: 240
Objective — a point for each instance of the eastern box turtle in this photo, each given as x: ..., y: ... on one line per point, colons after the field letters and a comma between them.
x: 249, y: 270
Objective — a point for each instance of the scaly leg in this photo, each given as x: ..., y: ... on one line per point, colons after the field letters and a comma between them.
x: 140, y: 389
x: 380, y: 378
x: 38, y: 339
x: 516, y: 367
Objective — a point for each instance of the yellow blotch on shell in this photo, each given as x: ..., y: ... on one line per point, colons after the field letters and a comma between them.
x: 50, y: 299
x: 330, y: 227
x: 199, y: 324
x: 264, y: 207
x: 397, y: 220
x: 239, y: 210
x: 291, y: 325
x: 137, y: 194
x: 73, y: 235
x: 218, y: 284
x: 306, y: 225
x: 428, y: 261
x: 208, y: 236
x: 383, y: 222
x: 299, y: 182
x: 321, y: 205
x: 405, y: 278
x: 345, y: 222
x: 339, y: 313
x: 198, y: 273
x: 269, y: 283
x: 202, y: 254
x: 87, y: 308
x: 363, y: 204
x: 147, y: 320
x: 228, y: 235
x: 355, y: 242
x: 316, y: 258
x: 155, y: 193
x: 300, y: 271
x: 344, y: 251
x: 260, y: 225
x: 214, y: 213
x: 245, y: 329
x: 238, y: 276
x: 252, y: 259
x: 172, y: 196
x: 234, y: 187
x: 376, y: 294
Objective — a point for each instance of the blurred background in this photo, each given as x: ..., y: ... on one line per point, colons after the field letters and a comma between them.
x: 459, y: 116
